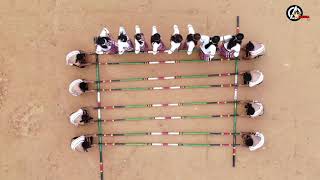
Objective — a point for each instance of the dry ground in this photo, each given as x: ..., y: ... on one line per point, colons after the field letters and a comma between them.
x: 34, y: 102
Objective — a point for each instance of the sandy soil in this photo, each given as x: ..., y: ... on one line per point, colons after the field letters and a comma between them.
x: 34, y: 101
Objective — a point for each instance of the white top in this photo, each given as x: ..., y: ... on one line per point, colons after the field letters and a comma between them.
x: 72, y: 57
x: 76, y: 117
x: 236, y: 48
x: 174, y: 46
x: 258, y: 109
x: 257, y: 51
x: 211, y: 50
x: 155, y: 47
x: 137, y: 46
x: 122, y: 46
x: 76, y: 144
x: 74, y: 88
x: 99, y: 49
x: 259, y: 144
x: 191, y: 46
x: 257, y: 78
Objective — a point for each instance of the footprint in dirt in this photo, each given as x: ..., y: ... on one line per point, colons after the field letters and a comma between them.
x: 23, y: 120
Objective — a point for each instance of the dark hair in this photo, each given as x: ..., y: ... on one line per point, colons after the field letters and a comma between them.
x: 197, y: 36
x: 213, y: 40
x: 85, y: 117
x: 247, y: 77
x: 249, y: 47
x: 232, y: 42
x: 193, y: 37
x: 102, y: 40
x: 122, y: 37
x: 83, y: 86
x: 248, y: 141
x: 239, y: 37
x: 250, y: 109
x: 81, y: 58
x: 156, y: 38
x: 177, y: 38
x: 138, y: 37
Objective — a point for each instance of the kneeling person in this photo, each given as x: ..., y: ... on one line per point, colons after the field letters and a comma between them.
x: 76, y: 58
x: 254, y: 109
x: 80, y: 117
x: 253, y: 140
x: 81, y: 143
x: 78, y: 87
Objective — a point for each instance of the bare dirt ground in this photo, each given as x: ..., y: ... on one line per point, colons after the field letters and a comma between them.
x: 34, y: 101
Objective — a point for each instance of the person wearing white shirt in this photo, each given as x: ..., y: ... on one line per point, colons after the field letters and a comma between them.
x: 254, y: 109
x: 104, y: 43
x: 208, y: 47
x: 81, y: 143
x: 231, y: 46
x: 124, y: 43
x: 253, y: 140
x: 192, y: 39
x: 80, y: 117
x: 253, y: 78
x: 254, y: 50
x: 78, y: 87
x: 156, y: 42
x: 76, y: 58
x: 139, y: 41
x: 175, y: 40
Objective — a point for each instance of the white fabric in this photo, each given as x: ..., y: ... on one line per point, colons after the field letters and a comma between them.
x: 235, y: 48
x: 74, y: 88
x: 72, y: 57
x: 136, y: 43
x: 99, y: 49
x: 174, y: 45
x: 258, y: 109
x: 76, y: 117
x: 76, y: 144
x: 154, y: 30
x: 122, y: 46
x: 190, y: 44
x: 258, y: 145
x: 155, y: 47
x: 258, y: 81
x: 175, y: 30
x: 190, y: 29
x: 210, y: 50
x: 258, y: 51
x: 225, y: 38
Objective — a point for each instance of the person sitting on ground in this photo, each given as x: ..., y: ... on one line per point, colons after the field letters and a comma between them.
x: 80, y: 117
x: 254, y: 109
x: 76, y: 58
x: 104, y: 43
x: 139, y: 40
x: 231, y: 47
x: 253, y: 78
x: 253, y: 140
x: 254, y: 50
x: 78, y: 87
x: 192, y: 39
x: 81, y: 143
x: 156, y: 42
x: 124, y: 43
x: 175, y: 40
x: 208, y: 47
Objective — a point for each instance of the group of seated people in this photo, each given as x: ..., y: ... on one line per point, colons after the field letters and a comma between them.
x: 227, y: 46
